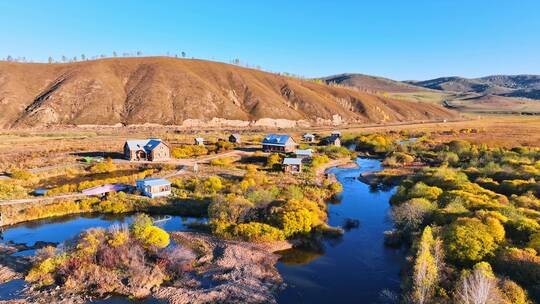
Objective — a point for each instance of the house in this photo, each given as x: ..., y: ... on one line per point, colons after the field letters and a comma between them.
x: 332, y: 140
x: 336, y: 133
x: 303, y: 154
x: 154, y: 187
x: 292, y: 165
x: 146, y: 150
x: 235, y: 138
x: 308, y: 137
x: 199, y: 141
x: 278, y: 143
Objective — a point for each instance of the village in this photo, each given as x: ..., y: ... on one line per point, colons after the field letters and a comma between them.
x: 157, y: 151
x: 294, y: 156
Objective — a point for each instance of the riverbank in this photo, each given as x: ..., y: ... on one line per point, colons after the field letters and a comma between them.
x: 223, y: 271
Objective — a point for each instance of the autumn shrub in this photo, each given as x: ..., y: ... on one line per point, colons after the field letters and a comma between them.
x: 468, y: 241
x: 187, y: 151
x: 273, y: 161
x: 103, y: 167
x: 257, y: 232
x: 23, y: 175
x: 318, y: 160
x: 121, y: 260
x: 410, y: 215
x: 222, y: 162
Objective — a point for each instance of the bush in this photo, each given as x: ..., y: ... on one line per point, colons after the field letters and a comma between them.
x: 222, y: 162
x: 188, y: 151
x: 103, y: 167
x: 257, y: 232
x: 469, y: 241
x: 153, y: 236
x: 22, y: 175
x: 410, y: 215
x: 273, y: 161
x: 319, y: 160
x: 295, y: 222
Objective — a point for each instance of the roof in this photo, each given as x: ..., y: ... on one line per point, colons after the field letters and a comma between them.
x: 199, y: 139
x: 292, y: 161
x: 146, y: 144
x: 309, y: 135
x: 332, y: 138
x: 306, y: 152
x: 104, y: 189
x: 154, y: 181
x: 276, y: 139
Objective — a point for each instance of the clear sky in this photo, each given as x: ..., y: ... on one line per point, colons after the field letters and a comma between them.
x: 398, y: 39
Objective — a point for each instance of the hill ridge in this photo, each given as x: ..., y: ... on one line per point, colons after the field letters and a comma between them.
x: 170, y: 91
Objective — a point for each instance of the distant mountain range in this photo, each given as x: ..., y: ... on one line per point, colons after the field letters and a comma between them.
x: 527, y: 86
x: 508, y: 94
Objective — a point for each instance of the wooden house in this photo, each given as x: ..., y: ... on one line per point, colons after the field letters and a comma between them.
x: 332, y: 140
x: 154, y: 187
x: 199, y: 141
x: 235, y: 138
x: 146, y: 150
x: 305, y: 155
x: 292, y: 165
x: 278, y: 143
x: 308, y: 137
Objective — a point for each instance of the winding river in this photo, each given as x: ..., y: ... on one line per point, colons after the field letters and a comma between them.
x: 352, y: 269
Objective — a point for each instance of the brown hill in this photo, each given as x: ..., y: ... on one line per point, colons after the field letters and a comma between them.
x: 369, y: 83
x: 170, y: 91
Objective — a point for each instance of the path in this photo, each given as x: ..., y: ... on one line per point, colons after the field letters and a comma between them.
x: 40, y: 199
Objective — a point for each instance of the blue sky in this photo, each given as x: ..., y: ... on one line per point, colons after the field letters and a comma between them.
x: 396, y: 39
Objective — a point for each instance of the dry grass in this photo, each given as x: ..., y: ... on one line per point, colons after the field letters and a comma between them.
x: 24, y: 149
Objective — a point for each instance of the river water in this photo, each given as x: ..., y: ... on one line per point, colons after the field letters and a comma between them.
x: 352, y: 269
x: 355, y: 268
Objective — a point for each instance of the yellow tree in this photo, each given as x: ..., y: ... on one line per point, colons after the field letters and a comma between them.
x: 426, y: 271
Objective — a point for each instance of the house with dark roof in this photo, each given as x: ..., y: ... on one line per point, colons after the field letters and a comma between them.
x: 235, y: 138
x: 278, y: 143
x: 332, y: 140
x: 146, y: 150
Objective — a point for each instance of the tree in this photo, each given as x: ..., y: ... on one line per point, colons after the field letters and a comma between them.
x: 83, y: 57
x: 9, y: 58
x: 468, y: 240
x: 139, y: 53
x: 50, y: 60
x: 426, y: 269
x: 64, y: 58
x: 409, y: 215
x: 273, y: 160
x: 114, y: 54
x: 183, y: 54
x: 478, y: 286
